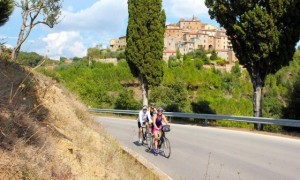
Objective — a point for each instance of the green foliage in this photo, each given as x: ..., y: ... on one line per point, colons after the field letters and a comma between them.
x: 292, y: 110
x: 50, y: 73
x: 236, y: 70
x: 221, y: 62
x: 173, y: 97
x: 172, y: 58
x: 62, y: 59
x: 174, y: 63
x: 126, y: 101
x: 214, y: 55
x: 145, y: 39
x: 31, y: 59
x: 263, y: 35
x: 6, y: 8
x: 202, y: 107
x: 98, y: 85
x: 121, y: 55
x: 198, y: 63
x: 178, y: 54
x: 95, y: 52
x: 186, y: 88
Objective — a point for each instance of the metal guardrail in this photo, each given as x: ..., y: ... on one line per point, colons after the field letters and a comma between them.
x: 258, y: 120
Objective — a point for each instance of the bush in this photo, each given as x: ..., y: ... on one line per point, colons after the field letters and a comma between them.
x: 126, y: 101
x: 221, y: 62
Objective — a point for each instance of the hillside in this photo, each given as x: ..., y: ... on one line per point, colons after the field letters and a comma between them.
x: 47, y: 134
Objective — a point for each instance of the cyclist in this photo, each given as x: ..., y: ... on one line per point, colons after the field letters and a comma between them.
x: 143, y: 119
x: 157, y: 123
x: 152, y: 109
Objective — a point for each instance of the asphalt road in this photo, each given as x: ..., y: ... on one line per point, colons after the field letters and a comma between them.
x: 211, y: 153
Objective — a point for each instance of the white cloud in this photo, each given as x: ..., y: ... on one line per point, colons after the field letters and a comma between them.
x: 186, y: 8
x: 65, y: 43
x: 103, y: 17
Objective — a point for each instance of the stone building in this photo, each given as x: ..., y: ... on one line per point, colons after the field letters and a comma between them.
x: 188, y: 35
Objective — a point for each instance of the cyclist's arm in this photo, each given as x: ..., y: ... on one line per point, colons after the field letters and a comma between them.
x: 165, y: 120
x: 141, y: 117
x: 154, y: 120
x: 149, y: 117
x: 155, y: 111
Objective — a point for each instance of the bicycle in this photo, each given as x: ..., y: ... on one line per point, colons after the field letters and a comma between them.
x: 164, y: 145
x: 146, y: 137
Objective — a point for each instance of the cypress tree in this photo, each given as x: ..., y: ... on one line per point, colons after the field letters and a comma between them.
x: 6, y: 8
x: 145, y: 42
x: 263, y: 35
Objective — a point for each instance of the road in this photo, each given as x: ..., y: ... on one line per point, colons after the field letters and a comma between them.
x: 212, y: 153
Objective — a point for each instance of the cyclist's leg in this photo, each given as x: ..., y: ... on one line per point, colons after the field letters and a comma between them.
x: 140, y: 132
x: 149, y: 127
x: 155, y: 134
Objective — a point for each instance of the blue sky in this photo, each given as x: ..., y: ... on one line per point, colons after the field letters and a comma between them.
x: 86, y: 23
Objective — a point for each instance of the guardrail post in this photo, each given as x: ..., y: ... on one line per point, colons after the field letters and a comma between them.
x: 205, y: 122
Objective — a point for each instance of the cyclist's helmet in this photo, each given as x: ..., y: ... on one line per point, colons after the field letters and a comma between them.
x: 152, y: 104
x: 145, y: 107
x: 160, y: 109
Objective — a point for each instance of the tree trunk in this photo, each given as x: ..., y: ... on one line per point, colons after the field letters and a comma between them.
x: 23, y: 35
x: 257, y: 99
x: 145, y: 90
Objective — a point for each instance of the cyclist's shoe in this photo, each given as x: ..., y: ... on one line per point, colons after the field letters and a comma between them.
x: 140, y: 141
x: 155, y: 152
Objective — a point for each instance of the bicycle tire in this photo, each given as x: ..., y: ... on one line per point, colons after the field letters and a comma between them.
x: 149, y: 144
x: 144, y: 135
x: 149, y: 141
x: 166, y: 148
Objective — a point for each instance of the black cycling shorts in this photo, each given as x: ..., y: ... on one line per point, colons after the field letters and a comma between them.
x: 139, y: 124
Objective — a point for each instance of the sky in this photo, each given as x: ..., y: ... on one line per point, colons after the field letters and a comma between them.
x: 87, y: 23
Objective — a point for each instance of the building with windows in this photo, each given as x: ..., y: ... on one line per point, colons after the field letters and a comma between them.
x: 188, y: 35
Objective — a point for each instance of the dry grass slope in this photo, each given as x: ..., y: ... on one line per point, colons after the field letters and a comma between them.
x: 45, y: 133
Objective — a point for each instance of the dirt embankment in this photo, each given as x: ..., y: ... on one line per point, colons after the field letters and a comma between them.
x: 45, y: 133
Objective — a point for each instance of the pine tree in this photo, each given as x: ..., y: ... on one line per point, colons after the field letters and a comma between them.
x: 263, y: 35
x: 145, y: 42
x: 6, y: 8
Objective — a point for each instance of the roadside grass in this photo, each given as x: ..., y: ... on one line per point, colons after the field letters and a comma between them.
x: 46, y: 133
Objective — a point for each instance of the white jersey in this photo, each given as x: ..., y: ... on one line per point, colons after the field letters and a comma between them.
x: 144, y: 116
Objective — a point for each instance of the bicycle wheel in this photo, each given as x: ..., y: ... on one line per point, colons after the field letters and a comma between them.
x: 144, y: 134
x: 149, y: 143
x: 166, y: 147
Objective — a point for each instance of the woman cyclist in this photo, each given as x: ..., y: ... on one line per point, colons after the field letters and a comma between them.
x: 152, y: 109
x: 157, y: 126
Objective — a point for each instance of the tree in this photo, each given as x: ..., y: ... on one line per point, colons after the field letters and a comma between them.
x: 145, y: 42
x: 263, y: 35
x: 31, y: 59
x: 178, y: 54
x: 214, y: 55
x: 6, y: 8
x: 36, y: 12
x: 94, y: 53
